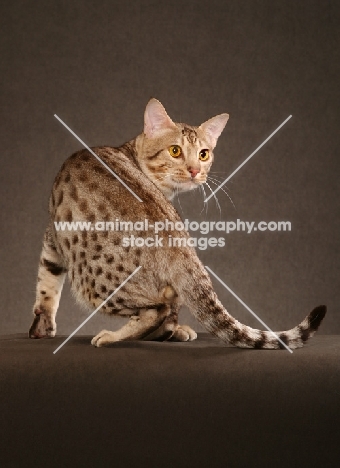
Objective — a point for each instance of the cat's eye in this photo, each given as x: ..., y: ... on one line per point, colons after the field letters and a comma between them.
x: 175, y: 151
x: 204, y: 155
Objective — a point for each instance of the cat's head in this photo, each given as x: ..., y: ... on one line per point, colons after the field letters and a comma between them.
x: 176, y: 157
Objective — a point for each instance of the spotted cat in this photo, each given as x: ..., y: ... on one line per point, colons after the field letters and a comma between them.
x: 166, y: 158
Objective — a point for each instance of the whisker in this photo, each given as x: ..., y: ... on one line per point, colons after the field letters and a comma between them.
x: 222, y: 188
x: 216, y: 177
x: 217, y: 204
x: 205, y: 205
x: 218, y: 180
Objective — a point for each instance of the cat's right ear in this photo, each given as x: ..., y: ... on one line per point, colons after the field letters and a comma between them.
x: 214, y: 127
x: 156, y: 120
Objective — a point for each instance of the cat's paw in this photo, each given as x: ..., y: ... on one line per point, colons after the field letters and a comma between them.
x: 184, y: 333
x: 43, y: 326
x: 103, y: 338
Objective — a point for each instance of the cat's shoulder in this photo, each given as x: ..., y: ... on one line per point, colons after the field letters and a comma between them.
x: 96, y: 160
x: 84, y: 156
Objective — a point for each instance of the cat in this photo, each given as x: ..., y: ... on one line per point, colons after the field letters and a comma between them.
x: 166, y: 158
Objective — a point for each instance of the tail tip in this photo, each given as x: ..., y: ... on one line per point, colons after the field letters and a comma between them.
x: 316, y: 317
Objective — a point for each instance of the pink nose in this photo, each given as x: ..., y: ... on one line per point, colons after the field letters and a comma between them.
x: 193, y: 171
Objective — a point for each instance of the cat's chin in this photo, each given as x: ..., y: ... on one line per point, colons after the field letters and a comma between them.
x: 185, y: 186
x: 180, y: 187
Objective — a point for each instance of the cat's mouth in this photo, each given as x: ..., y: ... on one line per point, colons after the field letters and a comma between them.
x: 189, y: 183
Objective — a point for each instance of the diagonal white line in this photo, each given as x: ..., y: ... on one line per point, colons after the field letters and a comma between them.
x: 98, y: 158
x: 95, y: 311
x: 246, y: 160
x: 249, y: 309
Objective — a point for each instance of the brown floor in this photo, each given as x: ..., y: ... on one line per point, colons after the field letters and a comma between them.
x: 198, y: 404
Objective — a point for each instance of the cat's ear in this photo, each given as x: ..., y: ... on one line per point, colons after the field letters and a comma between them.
x: 156, y: 120
x: 214, y: 127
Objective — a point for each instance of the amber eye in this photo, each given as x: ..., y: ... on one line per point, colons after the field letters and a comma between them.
x: 175, y: 151
x: 204, y: 155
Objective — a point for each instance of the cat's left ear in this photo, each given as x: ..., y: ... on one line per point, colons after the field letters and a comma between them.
x: 214, y: 127
x: 156, y: 120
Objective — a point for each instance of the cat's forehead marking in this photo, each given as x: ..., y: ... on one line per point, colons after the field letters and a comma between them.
x: 190, y: 134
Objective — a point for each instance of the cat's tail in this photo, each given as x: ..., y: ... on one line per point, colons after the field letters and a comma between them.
x: 200, y: 298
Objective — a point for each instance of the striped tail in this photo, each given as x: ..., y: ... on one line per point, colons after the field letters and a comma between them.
x: 200, y: 298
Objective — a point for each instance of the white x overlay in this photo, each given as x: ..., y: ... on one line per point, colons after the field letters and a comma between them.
x: 138, y: 268
x: 246, y: 160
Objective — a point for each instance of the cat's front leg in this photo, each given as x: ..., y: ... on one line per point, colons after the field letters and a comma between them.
x: 51, y: 276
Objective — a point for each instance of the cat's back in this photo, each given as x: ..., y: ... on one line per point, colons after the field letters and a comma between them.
x: 87, y: 197
x: 85, y: 190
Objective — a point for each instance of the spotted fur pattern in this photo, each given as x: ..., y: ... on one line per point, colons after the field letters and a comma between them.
x: 96, y: 262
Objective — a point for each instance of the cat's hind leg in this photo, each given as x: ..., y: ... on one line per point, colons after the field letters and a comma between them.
x: 51, y: 277
x: 183, y: 333
x: 167, y: 328
x: 171, y: 330
x: 140, y: 325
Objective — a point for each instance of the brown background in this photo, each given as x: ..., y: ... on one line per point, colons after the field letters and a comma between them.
x: 96, y: 64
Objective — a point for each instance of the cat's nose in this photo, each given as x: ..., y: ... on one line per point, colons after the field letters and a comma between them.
x: 193, y: 171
